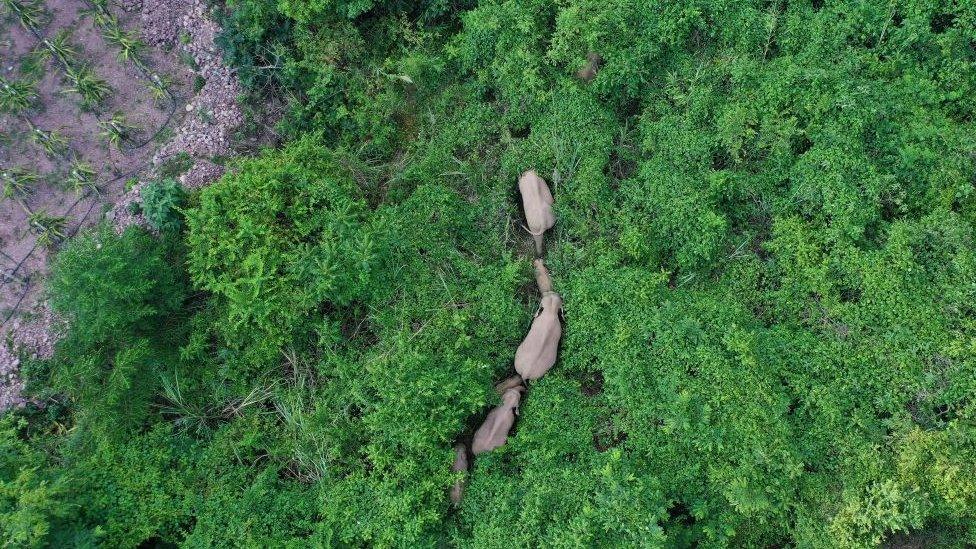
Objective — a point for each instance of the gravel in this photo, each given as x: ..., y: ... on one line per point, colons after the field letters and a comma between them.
x: 34, y: 337
x: 213, y: 115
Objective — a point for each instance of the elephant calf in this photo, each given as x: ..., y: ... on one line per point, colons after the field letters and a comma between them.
x: 494, y: 431
x: 460, y: 464
x: 537, y: 202
x: 537, y: 353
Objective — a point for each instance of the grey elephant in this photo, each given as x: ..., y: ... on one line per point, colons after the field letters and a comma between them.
x: 537, y: 353
x: 537, y: 203
x: 592, y: 66
x: 494, y: 431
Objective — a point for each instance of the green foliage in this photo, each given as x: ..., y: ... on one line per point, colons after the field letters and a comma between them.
x: 18, y: 182
x: 113, y: 285
x: 93, y: 91
x: 551, y: 487
x: 399, y: 321
x: 81, y: 178
x: 120, y: 294
x: 17, y: 96
x: 29, y: 502
x: 116, y: 129
x: 50, y: 229
x: 279, y: 239
x: 161, y: 203
x: 31, y: 14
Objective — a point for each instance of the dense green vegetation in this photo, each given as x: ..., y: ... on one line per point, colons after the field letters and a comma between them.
x: 765, y: 243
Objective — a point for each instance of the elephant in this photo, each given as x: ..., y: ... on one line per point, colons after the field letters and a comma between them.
x: 537, y: 353
x: 513, y: 382
x: 460, y: 464
x: 537, y: 202
x: 493, y: 433
x: 592, y: 66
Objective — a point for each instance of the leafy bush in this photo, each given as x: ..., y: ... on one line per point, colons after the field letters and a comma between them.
x: 109, y: 287
x: 29, y: 502
x: 161, y: 203
x: 281, y: 238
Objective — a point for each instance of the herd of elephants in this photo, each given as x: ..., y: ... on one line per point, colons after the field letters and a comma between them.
x: 537, y: 352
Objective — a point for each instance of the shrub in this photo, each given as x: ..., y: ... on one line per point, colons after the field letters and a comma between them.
x: 120, y: 295
x: 281, y: 237
x: 161, y: 203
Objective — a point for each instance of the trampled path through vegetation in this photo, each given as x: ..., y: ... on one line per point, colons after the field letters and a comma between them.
x: 538, y: 351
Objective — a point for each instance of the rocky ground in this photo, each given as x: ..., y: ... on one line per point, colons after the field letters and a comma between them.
x: 213, y: 115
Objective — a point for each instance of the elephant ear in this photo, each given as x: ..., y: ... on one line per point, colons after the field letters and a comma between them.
x: 546, y: 192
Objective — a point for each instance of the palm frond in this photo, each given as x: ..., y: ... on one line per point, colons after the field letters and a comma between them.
x: 92, y: 89
x: 17, y: 183
x: 50, y: 229
x: 81, y: 178
x: 53, y: 142
x: 31, y: 14
x: 62, y: 47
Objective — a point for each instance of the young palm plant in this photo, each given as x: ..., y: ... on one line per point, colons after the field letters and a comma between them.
x: 31, y: 13
x: 50, y: 229
x: 53, y: 142
x: 99, y: 13
x: 92, y: 89
x: 81, y: 178
x: 159, y: 87
x: 129, y: 44
x: 62, y: 48
x: 18, y: 183
x: 16, y: 96
x: 116, y: 129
